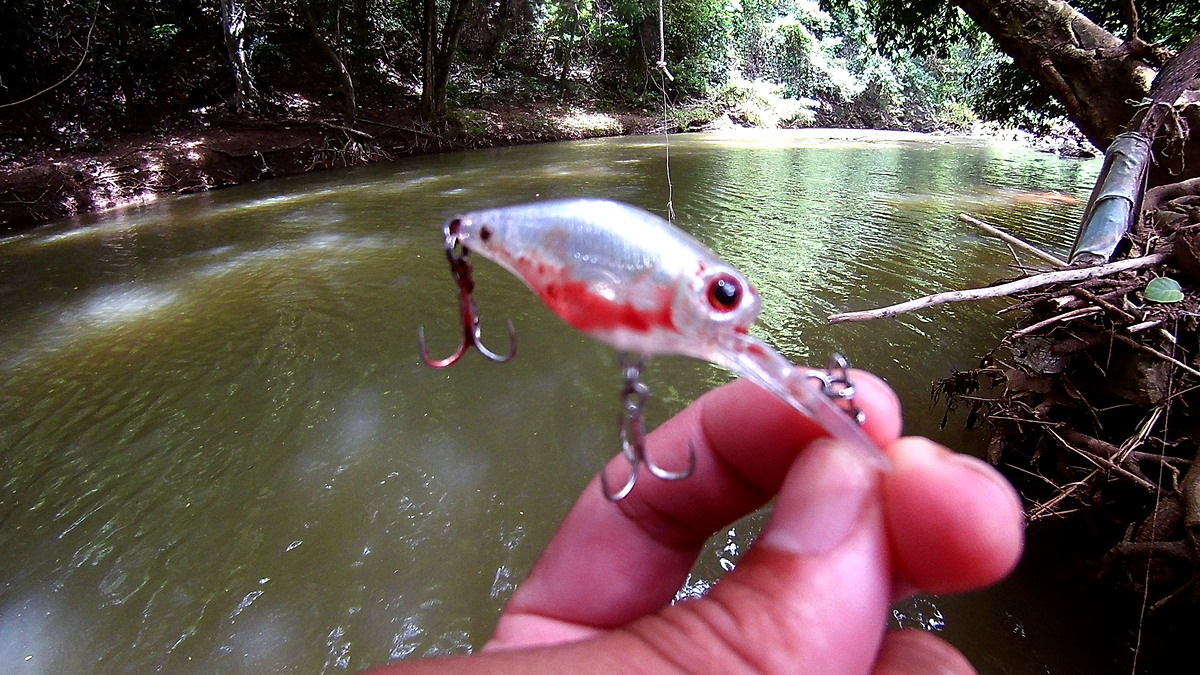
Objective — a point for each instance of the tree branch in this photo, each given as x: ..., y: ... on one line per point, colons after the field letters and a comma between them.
x: 1015, y: 241
x: 1002, y: 290
x: 1134, y: 22
x: 1157, y: 196
x: 1154, y: 352
x: 86, y: 48
x: 1168, y: 85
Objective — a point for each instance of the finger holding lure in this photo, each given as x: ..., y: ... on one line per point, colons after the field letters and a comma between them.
x: 634, y: 281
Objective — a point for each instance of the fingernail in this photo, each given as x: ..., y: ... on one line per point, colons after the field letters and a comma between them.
x: 981, y: 468
x: 924, y: 455
x: 821, y: 501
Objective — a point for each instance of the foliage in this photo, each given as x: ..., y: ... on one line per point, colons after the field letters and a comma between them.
x: 1007, y: 94
x: 116, y: 60
x: 126, y: 64
x: 1164, y: 290
x: 923, y: 26
x: 1001, y: 91
x: 930, y: 26
x: 762, y: 104
x: 1169, y: 22
x: 697, y: 37
x: 834, y: 57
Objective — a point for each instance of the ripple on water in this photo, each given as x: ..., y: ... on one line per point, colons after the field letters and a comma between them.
x: 201, y: 473
x: 121, y: 304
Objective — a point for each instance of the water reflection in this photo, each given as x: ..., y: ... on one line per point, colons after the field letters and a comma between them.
x: 220, y: 451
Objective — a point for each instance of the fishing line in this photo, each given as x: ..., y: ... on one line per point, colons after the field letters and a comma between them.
x: 662, y: 87
x: 1166, y: 418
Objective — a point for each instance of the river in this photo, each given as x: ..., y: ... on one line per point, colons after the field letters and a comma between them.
x: 220, y: 452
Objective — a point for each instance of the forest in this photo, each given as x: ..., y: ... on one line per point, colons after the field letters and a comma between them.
x: 76, y: 75
x: 128, y: 66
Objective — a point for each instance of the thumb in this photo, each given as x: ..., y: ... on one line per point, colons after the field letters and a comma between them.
x: 916, y: 652
x: 813, y: 592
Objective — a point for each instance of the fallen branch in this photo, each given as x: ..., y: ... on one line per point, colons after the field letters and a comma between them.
x: 1015, y: 241
x: 1111, y: 452
x: 1088, y: 296
x: 1106, y: 463
x: 1154, y: 352
x: 1066, y: 316
x: 1046, y: 509
x: 1175, y: 550
x: 86, y: 48
x: 1191, y: 494
x: 398, y: 128
x: 1001, y: 290
x: 347, y: 130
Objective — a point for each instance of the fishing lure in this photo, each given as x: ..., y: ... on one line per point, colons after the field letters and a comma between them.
x: 634, y: 281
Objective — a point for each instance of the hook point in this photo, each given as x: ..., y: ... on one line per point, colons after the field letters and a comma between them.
x: 664, y: 474
x: 617, y: 496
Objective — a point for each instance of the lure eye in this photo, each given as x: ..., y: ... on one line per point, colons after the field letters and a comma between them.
x: 724, y: 292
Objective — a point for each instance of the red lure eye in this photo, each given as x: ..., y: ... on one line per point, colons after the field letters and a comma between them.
x: 724, y: 293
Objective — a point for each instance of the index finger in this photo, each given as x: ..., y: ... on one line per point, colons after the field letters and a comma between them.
x: 612, y: 563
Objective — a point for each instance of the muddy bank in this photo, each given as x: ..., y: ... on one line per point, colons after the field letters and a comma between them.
x: 210, y: 153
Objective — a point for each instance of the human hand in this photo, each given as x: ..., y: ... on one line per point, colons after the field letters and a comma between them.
x: 811, y: 595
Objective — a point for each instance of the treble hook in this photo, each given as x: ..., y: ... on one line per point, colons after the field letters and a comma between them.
x: 634, y: 396
x: 837, y: 386
x: 460, y: 267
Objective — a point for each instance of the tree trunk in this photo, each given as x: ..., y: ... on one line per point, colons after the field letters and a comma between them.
x: 429, y: 25
x: 567, y: 52
x: 1092, y: 72
x: 505, y: 13
x: 1177, y: 149
x: 233, y: 25
x: 643, y: 52
x: 349, y: 104
x: 439, y: 41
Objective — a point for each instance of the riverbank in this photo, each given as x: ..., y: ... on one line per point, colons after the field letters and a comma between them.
x: 215, y: 151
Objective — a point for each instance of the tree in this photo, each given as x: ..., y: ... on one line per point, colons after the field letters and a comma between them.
x: 1097, y: 77
x: 441, y: 28
x: 233, y: 25
x: 330, y: 48
x: 567, y: 38
x: 1094, y: 74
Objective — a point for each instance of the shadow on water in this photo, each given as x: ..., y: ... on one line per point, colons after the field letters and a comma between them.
x: 219, y: 450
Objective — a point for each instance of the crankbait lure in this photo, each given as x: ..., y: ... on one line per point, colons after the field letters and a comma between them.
x: 634, y: 281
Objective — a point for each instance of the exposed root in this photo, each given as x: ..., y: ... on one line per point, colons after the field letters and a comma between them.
x: 1093, y: 406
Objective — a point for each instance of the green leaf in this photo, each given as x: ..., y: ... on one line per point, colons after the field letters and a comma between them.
x: 1163, y: 289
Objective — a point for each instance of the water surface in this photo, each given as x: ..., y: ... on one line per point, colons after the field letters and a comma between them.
x: 219, y: 451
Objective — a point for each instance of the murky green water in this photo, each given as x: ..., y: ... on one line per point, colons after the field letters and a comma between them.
x: 219, y: 451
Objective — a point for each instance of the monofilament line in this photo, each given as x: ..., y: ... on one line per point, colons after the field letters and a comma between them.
x: 662, y: 87
x: 1137, y: 641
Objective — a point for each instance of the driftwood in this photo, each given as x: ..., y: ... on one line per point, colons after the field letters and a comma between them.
x: 349, y: 131
x: 1088, y: 296
x: 1001, y: 290
x: 1015, y: 241
x: 1066, y: 316
x: 1093, y: 418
